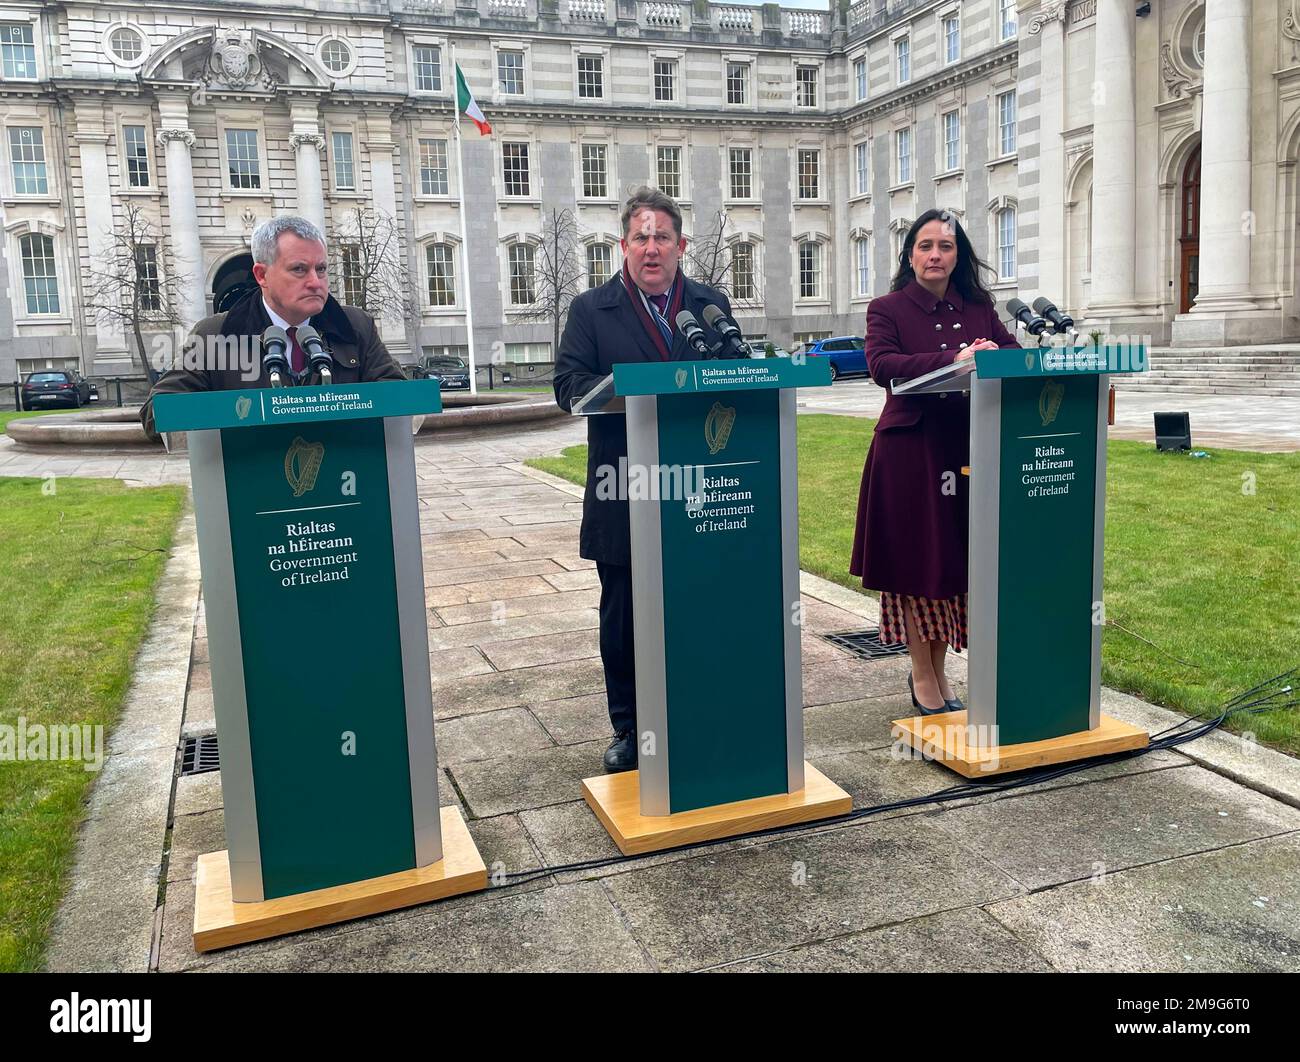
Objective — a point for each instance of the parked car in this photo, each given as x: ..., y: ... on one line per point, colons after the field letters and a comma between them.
x: 56, y: 387
x: 451, y: 373
x: 758, y: 349
x: 847, y: 355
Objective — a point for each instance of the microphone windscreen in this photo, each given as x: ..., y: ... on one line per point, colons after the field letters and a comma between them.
x: 686, y: 320
x: 307, y: 334
x: 275, y: 336
x: 1042, y: 304
x: 1015, y: 306
x: 711, y: 315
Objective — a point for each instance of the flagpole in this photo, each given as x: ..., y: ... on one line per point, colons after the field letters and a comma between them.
x: 464, y: 235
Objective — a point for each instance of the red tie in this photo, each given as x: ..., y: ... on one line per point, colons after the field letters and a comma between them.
x: 297, y: 359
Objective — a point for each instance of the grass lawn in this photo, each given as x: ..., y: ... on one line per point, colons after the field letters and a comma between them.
x: 1194, y: 564
x: 6, y: 417
x: 77, y: 577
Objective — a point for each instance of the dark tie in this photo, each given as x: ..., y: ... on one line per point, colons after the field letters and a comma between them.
x: 660, y: 303
x: 297, y: 359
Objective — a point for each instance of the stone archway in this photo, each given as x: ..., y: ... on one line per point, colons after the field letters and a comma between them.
x: 232, y: 282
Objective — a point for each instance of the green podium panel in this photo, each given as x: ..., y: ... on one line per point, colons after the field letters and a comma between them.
x: 309, y: 544
x: 715, y: 578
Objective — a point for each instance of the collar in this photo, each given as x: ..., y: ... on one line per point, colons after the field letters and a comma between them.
x: 276, y: 319
x: 250, y: 316
x: 929, y: 301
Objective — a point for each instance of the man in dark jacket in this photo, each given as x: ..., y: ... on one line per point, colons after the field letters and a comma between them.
x: 290, y: 266
x: 631, y: 318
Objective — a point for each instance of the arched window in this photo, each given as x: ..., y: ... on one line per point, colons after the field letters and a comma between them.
x: 523, y: 291
x: 441, y: 261
x: 810, y: 270
x: 1006, y: 225
x: 862, y: 266
x: 742, y: 271
x: 600, y: 264
x: 40, y: 280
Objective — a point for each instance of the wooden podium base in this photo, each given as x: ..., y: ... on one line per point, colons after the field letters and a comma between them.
x: 943, y: 738
x: 219, y: 922
x: 616, y: 800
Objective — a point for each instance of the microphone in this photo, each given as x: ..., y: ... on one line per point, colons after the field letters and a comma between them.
x: 1061, y: 322
x: 275, y: 347
x: 732, y: 339
x: 690, y: 328
x: 1034, y: 324
x: 318, y: 358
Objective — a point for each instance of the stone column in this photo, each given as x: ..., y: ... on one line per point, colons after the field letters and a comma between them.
x: 91, y: 136
x: 1226, y: 224
x: 307, y: 142
x: 383, y: 198
x: 1042, y: 178
x: 183, y: 213
x: 1114, y: 161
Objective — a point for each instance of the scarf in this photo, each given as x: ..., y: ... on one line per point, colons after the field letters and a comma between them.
x: 659, y: 326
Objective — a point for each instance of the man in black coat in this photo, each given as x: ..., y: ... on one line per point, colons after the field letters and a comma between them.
x: 632, y: 317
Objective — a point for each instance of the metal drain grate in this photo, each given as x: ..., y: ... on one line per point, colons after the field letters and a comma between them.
x: 866, y: 645
x: 200, y: 755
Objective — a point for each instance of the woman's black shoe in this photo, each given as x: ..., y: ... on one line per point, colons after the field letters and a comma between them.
x: 918, y: 705
x: 621, y: 754
x: 954, y: 704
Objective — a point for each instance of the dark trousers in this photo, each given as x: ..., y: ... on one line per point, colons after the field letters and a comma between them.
x: 616, y: 651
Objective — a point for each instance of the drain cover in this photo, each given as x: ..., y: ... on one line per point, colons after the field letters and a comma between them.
x: 866, y: 645
x: 200, y: 754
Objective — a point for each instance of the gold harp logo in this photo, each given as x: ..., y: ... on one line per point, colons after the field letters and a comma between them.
x: 302, y: 464
x: 1049, y: 400
x: 242, y: 406
x: 1029, y: 360
x: 718, y: 425
x: 680, y: 377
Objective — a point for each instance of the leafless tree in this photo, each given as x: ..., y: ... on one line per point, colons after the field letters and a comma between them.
x: 368, y: 268
x: 711, y: 259
x: 129, y: 287
x: 558, y: 275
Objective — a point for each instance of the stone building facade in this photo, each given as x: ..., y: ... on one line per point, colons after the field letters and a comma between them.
x: 819, y: 136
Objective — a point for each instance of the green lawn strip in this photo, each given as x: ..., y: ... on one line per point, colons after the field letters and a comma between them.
x: 1193, y: 564
x: 77, y: 577
x: 6, y: 417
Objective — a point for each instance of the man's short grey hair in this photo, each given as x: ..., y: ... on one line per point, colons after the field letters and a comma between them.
x: 266, y: 237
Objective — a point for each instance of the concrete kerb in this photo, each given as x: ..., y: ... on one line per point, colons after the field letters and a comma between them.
x: 106, y: 920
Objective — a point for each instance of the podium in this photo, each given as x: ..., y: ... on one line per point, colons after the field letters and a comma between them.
x: 712, y: 483
x: 309, y: 544
x: 1037, y: 528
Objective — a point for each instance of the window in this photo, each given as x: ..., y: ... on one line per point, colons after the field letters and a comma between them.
x: 528, y: 353
x: 336, y: 55
x: 600, y: 264
x: 135, y: 146
x: 433, y: 167
x: 354, y: 287
x: 510, y: 72
x: 737, y: 83
x: 126, y: 44
x: 1007, y: 122
x: 594, y: 184
x: 862, y: 168
x: 428, y: 67
x: 741, y: 166
x: 951, y: 140
x: 860, y: 77
x: 805, y: 81
x: 439, y: 257
x: 242, y: 159
x: 1007, y: 18
x: 903, y: 154
x: 514, y: 160
x: 742, y: 272
x: 17, y: 52
x: 668, y: 170
x: 39, y: 277
x: 810, y: 270
x: 809, y: 174
x: 1007, y: 243
x: 665, y: 79
x: 903, y: 59
x: 27, y: 153
x: 522, y: 292
x: 591, y: 77
x: 862, y: 264
x: 951, y: 38
x: 147, y: 284
x: 345, y: 179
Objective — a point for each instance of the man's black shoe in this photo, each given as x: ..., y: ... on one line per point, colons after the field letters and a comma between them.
x: 621, y: 754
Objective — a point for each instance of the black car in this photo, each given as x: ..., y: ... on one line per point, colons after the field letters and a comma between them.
x: 451, y: 373
x: 55, y: 387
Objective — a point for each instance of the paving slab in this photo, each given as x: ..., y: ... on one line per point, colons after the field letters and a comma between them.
x: 548, y: 600
x: 488, y: 590
x: 447, y: 664
x: 1236, y: 909
x: 755, y: 899
x: 576, y: 719
x: 192, y: 836
x: 525, y: 685
x: 197, y: 793
x: 545, y: 649
x: 529, y: 780
x: 511, y: 629
x: 846, y: 679
x: 851, y: 725
x: 485, y: 572
x: 490, y: 736
x: 579, y: 580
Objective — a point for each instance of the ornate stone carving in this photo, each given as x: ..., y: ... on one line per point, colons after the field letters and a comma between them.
x: 1053, y: 11
x: 234, y: 60
x: 1291, y: 27
x: 185, y: 136
x: 296, y: 140
x: 1177, y: 82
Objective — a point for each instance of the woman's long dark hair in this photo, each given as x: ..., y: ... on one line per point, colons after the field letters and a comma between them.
x: 965, y: 277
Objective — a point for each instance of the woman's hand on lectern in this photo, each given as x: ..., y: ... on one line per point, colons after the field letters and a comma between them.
x: 979, y: 344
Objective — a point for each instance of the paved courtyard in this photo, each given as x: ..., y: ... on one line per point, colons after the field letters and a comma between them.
x: 1186, y: 860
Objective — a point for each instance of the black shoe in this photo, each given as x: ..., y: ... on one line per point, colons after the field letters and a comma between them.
x: 955, y: 704
x: 621, y: 754
x: 921, y: 707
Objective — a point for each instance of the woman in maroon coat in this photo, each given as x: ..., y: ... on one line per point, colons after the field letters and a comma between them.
x: 911, y: 536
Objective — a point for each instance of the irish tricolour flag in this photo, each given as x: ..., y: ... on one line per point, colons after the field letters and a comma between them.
x: 468, y: 105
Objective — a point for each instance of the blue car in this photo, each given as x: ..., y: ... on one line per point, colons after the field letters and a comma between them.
x: 847, y: 354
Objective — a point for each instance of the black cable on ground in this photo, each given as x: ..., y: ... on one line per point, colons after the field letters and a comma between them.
x: 1271, y: 695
